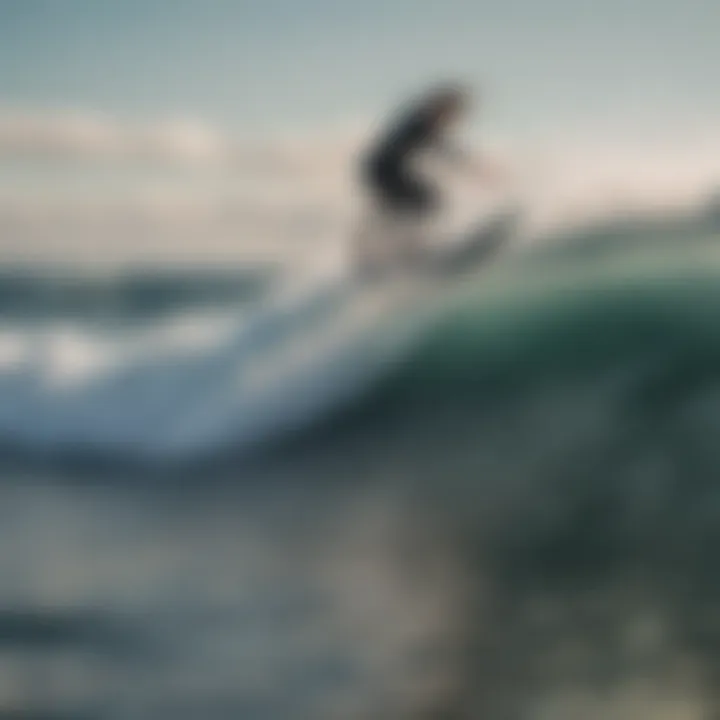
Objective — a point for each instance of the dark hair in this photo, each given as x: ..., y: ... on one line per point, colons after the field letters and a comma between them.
x: 450, y: 95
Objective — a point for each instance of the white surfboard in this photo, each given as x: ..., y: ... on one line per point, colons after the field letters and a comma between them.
x: 479, y: 245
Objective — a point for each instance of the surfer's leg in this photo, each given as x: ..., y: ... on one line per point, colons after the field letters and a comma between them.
x: 374, y: 247
x: 420, y: 211
x: 396, y: 233
x: 408, y: 241
x: 365, y: 240
x: 371, y: 243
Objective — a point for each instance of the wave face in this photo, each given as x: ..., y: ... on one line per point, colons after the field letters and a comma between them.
x: 555, y: 424
x: 199, y: 365
x: 495, y: 500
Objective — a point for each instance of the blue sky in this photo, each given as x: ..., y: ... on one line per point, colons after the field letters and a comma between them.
x: 245, y: 64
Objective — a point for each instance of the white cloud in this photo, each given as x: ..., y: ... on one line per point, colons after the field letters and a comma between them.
x: 221, y: 195
x: 171, y: 187
x: 73, y: 135
x: 571, y: 183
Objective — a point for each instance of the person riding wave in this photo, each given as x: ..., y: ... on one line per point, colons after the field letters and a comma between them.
x: 404, y: 202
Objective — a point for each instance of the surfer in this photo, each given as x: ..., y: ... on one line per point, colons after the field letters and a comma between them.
x: 404, y: 202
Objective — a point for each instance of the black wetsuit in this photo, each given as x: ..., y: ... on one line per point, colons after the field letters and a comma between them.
x: 387, y: 170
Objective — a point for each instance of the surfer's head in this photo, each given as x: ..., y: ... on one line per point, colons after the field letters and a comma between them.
x: 448, y: 103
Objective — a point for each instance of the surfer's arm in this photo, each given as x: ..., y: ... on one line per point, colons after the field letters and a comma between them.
x: 471, y: 163
x: 485, y: 169
x: 453, y: 152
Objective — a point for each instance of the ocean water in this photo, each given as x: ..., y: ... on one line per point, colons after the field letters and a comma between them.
x: 499, y: 499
